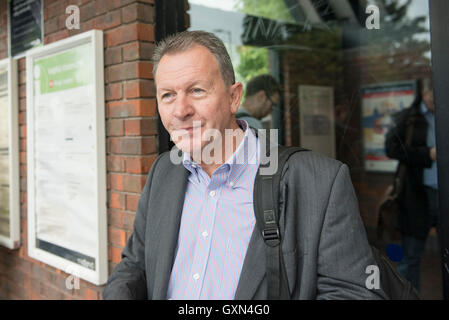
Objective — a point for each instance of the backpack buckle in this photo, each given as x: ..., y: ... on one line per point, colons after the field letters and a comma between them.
x: 271, y: 234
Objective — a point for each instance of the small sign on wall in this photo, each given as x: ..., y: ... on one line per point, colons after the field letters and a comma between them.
x: 316, y: 119
x: 379, y: 103
x: 25, y: 26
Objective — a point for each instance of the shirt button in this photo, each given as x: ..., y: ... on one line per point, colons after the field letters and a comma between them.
x: 205, y: 234
x: 196, y: 276
x: 212, y: 193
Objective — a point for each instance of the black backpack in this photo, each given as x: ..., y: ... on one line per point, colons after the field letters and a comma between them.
x: 266, y: 204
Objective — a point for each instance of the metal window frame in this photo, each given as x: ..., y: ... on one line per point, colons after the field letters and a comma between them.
x: 170, y: 19
x: 439, y: 29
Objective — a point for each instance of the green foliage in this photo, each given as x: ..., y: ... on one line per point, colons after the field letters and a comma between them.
x: 253, y: 61
x: 396, y: 28
x: 399, y: 34
x: 400, y: 42
x: 271, y: 9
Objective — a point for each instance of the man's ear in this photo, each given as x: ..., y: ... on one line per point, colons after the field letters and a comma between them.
x: 236, y: 92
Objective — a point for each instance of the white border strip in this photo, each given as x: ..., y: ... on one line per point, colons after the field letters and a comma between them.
x: 13, y: 241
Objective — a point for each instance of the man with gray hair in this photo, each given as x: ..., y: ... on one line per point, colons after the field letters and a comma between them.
x: 194, y: 233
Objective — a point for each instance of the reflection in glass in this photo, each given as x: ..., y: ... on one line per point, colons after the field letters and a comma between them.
x: 370, y: 62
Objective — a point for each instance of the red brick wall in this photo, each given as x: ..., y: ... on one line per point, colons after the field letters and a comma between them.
x: 131, y: 130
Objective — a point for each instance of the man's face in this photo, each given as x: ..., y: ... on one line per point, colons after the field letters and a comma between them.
x: 191, y: 92
x: 265, y: 104
x: 271, y: 101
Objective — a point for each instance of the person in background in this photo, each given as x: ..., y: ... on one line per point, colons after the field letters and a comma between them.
x: 262, y: 94
x: 419, y: 196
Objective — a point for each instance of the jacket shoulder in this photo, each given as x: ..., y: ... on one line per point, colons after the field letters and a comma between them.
x: 165, y: 161
x: 314, y: 164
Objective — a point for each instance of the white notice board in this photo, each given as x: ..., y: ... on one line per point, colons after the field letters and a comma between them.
x: 67, y: 226
x: 9, y: 156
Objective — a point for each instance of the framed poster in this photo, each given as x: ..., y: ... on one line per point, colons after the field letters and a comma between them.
x: 67, y: 226
x: 316, y: 119
x: 379, y: 102
x: 9, y: 156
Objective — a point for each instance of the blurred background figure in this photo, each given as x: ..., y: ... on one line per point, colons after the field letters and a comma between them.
x: 262, y: 94
x: 419, y: 196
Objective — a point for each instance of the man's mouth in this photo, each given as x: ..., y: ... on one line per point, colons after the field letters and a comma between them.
x: 191, y: 128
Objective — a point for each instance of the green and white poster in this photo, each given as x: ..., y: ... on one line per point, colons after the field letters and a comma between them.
x: 68, y: 157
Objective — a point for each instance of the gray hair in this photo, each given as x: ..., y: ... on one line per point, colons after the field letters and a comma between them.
x: 185, y: 40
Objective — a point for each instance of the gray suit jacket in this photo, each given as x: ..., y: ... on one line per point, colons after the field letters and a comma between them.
x: 325, y: 247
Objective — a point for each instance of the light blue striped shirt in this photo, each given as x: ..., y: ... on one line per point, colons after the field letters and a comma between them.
x: 216, y: 225
x: 430, y: 174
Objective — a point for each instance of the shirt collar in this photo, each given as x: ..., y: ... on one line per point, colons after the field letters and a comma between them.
x: 246, y: 153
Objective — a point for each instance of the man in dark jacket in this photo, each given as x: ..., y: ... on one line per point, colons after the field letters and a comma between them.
x: 194, y: 234
x: 419, y: 196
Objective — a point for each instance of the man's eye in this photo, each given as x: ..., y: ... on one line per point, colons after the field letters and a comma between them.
x: 167, y: 96
x: 197, y: 91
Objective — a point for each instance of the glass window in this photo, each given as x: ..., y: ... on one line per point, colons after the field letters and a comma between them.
x: 346, y: 68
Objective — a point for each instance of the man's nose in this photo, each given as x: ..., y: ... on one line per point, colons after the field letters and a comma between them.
x: 182, y: 109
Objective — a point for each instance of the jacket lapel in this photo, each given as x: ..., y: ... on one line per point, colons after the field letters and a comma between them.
x: 253, y: 270
x: 174, y: 183
x: 254, y: 265
x: 175, y: 180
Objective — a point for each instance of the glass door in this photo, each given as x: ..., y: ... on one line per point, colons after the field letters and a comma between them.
x: 345, y: 70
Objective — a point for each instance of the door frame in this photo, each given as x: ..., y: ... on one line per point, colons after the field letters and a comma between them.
x: 170, y: 18
x: 439, y: 31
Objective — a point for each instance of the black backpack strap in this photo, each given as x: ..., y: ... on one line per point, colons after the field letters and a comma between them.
x: 266, y: 209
